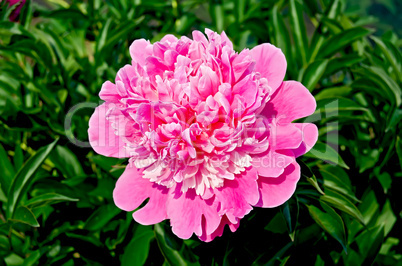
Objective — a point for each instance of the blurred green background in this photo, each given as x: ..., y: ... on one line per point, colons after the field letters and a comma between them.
x: 56, y: 197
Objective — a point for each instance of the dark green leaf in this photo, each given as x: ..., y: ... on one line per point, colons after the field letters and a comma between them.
x: 24, y: 215
x: 22, y: 178
x: 136, y: 252
x: 339, y: 41
x: 330, y: 221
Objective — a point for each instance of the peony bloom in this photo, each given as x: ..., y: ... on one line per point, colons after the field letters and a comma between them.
x: 207, y: 131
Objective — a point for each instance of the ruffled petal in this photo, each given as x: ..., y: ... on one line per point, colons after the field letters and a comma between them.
x: 186, y: 211
x: 238, y: 195
x: 102, y: 135
x: 290, y: 101
x: 276, y: 191
x: 132, y: 190
x: 219, y: 231
x: 271, y: 163
x: 309, y: 138
x: 271, y: 63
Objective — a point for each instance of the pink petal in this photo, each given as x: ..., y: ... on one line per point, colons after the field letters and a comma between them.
x: 132, y: 189
x: 186, y: 211
x: 272, y: 164
x: 290, y: 101
x: 276, y: 191
x: 237, y: 196
x: 309, y: 135
x: 102, y: 135
x: 285, y: 137
x: 271, y: 63
x: 109, y: 92
x: 139, y: 51
x: 219, y: 231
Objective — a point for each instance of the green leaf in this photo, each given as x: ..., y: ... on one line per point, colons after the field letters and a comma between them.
x: 339, y: 41
x: 333, y: 92
x: 308, y: 174
x: 383, y: 81
x: 342, y: 203
x: 337, y: 179
x: 290, y: 211
x: 370, y: 243
x: 341, y: 63
x: 299, y: 29
x: 24, y: 215
x: 313, y: 73
x: 330, y: 221
x: 281, y: 38
x: 325, y: 152
x: 24, y: 175
x: 66, y: 161
x: 47, y: 199
x: 136, y: 252
x: 166, y: 246
x: 391, y: 58
x: 6, y: 170
x: 101, y: 217
x: 398, y: 148
x: 277, y: 224
x: 387, y: 218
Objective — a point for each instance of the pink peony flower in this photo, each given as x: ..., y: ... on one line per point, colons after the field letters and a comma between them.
x: 208, y: 132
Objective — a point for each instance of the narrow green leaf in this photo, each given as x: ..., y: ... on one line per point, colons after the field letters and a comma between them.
x: 66, y: 161
x: 299, y: 29
x: 24, y: 175
x: 341, y: 40
x: 320, y: 33
x: 398, y: 148
x: 47, y: 199
x: 308, y: 174
x: 24, y: 215
x: 333, y: 92
x: 290, y: 211
x: 390, y: 57
x: 314, y: 73
x: 101, y: 217
x: 6, y: 170
x: 342, y: 203
x: 336, y: 179
x: 165, y: 243
x: 136, y: 252
x: 326, y: 153
x: 384, y: 81
x: 330, y: 221
x: 341, y: 63
x: 281, y: 38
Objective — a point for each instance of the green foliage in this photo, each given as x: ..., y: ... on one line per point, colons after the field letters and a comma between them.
x: 56, y: 198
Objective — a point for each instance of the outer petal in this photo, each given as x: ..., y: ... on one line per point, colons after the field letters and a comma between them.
x: 132, y: 189
x: 186, y: 212
x: 237, y: 196
x: 139, y: 51
x: 310, y: 136
x: 285, y: 136
x: 219, y: 231
x: 276, y: 191
x: 109, y: 92
x: 271, y: 163
x: 271, y: 63
x: 102, y: 136
x: 290, y: 101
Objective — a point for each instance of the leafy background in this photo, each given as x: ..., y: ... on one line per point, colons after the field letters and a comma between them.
x: 56, y: 198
